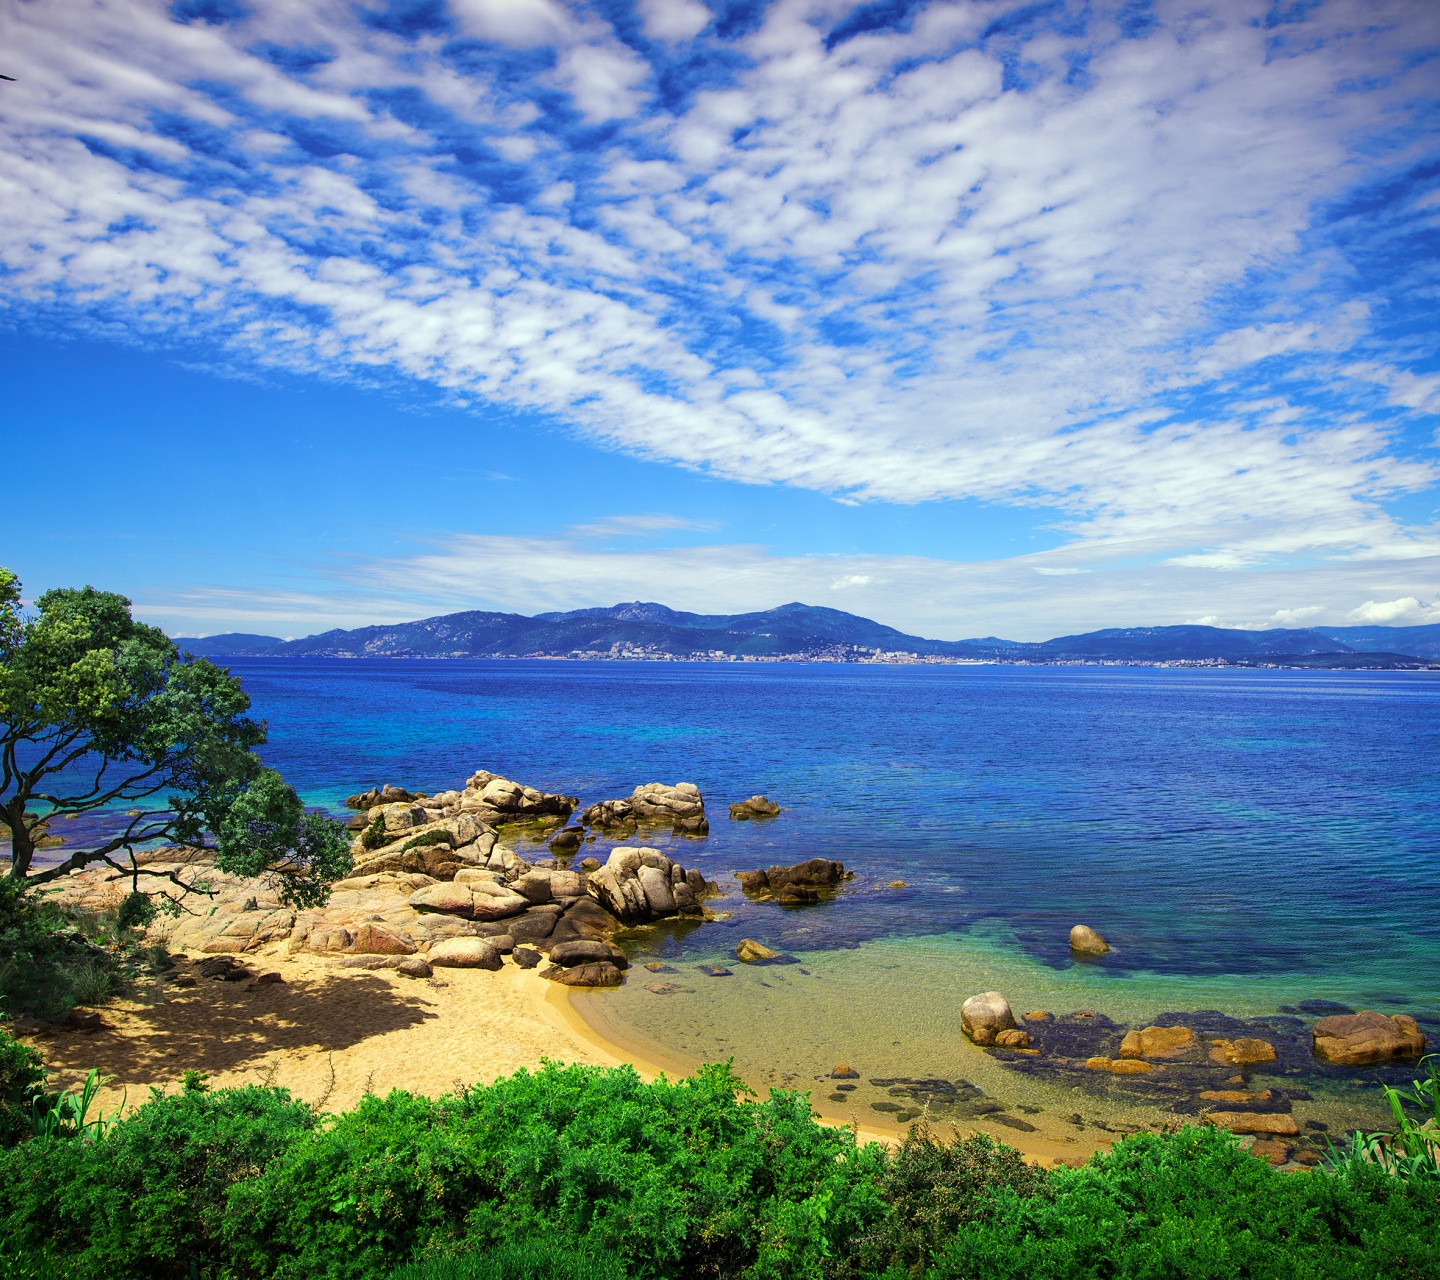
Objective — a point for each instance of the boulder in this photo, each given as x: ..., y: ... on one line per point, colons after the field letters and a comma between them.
x: 754, y: 807
x: 681, y: 806
x: 600, y: 974
x: 377, y: 795
x: 984, y: 1016
x: 1253, y: 1122
x: 1246, y: 1051
x: 493, y: 799
x: 527, y: 957
x: 377, y: 940
x: 1157, y: 1042
x: 464, y: 953
x: 534, y: 886
x: 844, y: 1071
x: 751, y: 951
x: 533, y: 926
x: 1358, y: 1039
x: 806, y: 878
x: 566, y: 841
x: 1085, y: 941
x: 612, y: 816
x: 491, y: 901
x: 1271, y: 1151
x: 414, y: 967
x: 449, y: 898
x: 585, y: 951
x: 638, y: 885
x: 1012, y: 1039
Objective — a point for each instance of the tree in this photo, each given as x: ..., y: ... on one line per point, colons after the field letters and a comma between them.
x: 101, y: 713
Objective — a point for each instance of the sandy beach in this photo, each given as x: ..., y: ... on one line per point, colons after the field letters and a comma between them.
x: 330, y: 1034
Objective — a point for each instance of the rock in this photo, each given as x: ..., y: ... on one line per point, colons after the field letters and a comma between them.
x: 1039, y: 1015
x: 490, y: 901
x: 1241, y: 1098
x: 664, y: 988
x: 681, y: 805
x: 1271, y: 1151
x: 464, y: 953
x: 754, y: 807
x: 797, y: 895
x: 566, y: 841
x: 1253, y: 1122
x: 527, y: 957
x: 414, y: 967
x: 844, y: 1071
x: 448, y: 898
x: 269, y: 979
x: 599, y: 974
x: 817, y: 873
x: 369, y: 962
x: 750, y: 951
x: 583, y: 951
x: 533, y: 926
x: 534, y: 886
x: 638, y: 885
x: 590, y: 864
x: 1120, y: 1066
x: 358, y: 823
x: 714, y: 971
x: 1359, y: 1039
x: 1157, y: 1042
x: 984, y: 1016
x: 86, y: 1019
x: 613, y: 816
x: 1086, y: 942
x: 378, y: 795
x: 493, y: 799
x: 376, y: 940
x: 1012, y: 1039
x: 659, y: 966
x: 1243, y: 1052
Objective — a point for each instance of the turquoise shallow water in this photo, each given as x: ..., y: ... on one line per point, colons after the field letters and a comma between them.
x: 1247, y: 840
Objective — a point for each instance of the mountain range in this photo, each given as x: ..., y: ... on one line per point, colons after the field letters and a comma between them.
x: 642, y: 629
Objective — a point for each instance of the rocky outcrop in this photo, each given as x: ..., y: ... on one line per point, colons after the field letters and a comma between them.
x: 795, y: 885
x: 680, y: 807
x: 494, y: 799
x: 613, y: 817
x: 1157, y: 1042
x: 640, y: 885
x: 378, y: 795
x: 984, y: 1016
x: 1358, y: 1039
x: 754, y: 807
x: 1084, y: 941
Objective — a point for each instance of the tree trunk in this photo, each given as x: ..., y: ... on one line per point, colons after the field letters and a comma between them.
x: 22, y: 848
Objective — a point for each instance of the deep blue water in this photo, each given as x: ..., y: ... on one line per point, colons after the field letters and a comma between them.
x: 1211, y: 821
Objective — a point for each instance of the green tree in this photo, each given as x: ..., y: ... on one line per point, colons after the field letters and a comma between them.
x: 101, y: 713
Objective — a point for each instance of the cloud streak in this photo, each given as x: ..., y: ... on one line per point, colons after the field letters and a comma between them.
x: 1142, y: 266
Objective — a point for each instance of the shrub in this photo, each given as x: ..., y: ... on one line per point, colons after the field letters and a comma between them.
x: 671, y: 1179
x: 374, y: 835
x: 1412, y: 1151
x: 1193, y: 1206
x: 931, y: 1189
x: 520, y: 1260
x: 147, y: 1198
x: 426, y: 840
x: 21, y: 1075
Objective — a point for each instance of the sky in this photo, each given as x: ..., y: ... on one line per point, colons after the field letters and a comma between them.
x: 975, y: 317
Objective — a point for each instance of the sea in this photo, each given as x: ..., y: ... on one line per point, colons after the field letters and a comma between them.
x: 1254, y: 843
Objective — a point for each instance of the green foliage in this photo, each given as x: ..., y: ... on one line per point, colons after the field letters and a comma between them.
x: 933, y: 1188
x: 1412, y: 1150
x: 374, y: 835
x: 137, y: 911
x: 21, y: 1075
x: 673, y: 1179
x: 266, y: 832
x: 49, y: 960
x: 67, y: 1114
x: 148, y: 1196
x: 438, y: 836
x: 1193, y: 1206
x: 517, y: 1260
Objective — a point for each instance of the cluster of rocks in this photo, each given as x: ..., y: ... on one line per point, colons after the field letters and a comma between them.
x: 681, y: 807
x: 754, y: 807
x: 487, y: 797
x: 794, y: 886
x: 1198, y: 1064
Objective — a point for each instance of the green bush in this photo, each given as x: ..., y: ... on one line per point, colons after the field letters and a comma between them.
x: 1193, y: 1206
x: 671, y: 1179
x: 439, y: 836
x: 21, y: 1075
x: 520, y: 1260
x: 374, y: 835
x: 150, y: 1195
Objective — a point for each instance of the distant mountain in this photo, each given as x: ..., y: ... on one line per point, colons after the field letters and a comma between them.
x: 646, y: 629
x: 232, y: 643
x: 1422, y: 641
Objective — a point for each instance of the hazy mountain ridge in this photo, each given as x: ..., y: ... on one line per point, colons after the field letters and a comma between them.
x: 643, y: 628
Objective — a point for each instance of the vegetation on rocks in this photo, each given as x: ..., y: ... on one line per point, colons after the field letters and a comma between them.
x: 588, y: 1172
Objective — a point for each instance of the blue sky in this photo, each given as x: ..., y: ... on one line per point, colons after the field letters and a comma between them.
x: 974, y: 317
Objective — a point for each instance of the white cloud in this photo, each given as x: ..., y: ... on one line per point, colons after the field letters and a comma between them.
x: 878, y: 269
x: 851, y: 580
x: 1406, y: 611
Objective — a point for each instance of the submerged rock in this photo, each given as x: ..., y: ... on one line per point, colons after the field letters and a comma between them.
x: 1245, y: 1051
x: 984, y: 1016
x: 796, y: 885
x: 751, y: 951
x: 754, y: 807
x: 1253, y: 1122
x: 1157, y: 1042
x: 1358, y: 1039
